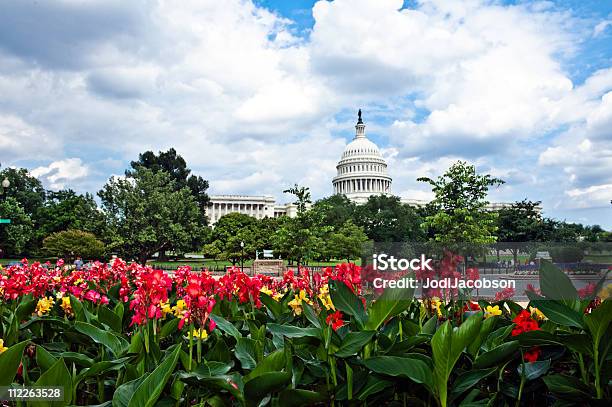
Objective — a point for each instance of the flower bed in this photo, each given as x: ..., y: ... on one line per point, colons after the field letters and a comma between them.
x: 135, y: 336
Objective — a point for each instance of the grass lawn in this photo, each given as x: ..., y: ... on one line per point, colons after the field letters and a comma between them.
x: 595, y: 258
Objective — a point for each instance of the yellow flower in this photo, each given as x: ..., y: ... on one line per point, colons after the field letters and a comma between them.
x: 179, y: 308
x: 79, y: 281
x: 59, y: 295
x: 296, y: 303
x: 165, y: 308
x: 266, y: 291
x: 435, y: 304
x: 537, y: 314
x: 278, y: 296
x: 606, y: 292
x: 492, y: 311
x: 199, y: 333
x: 325, y: 298
x: 66, y: 306
x: 2, y: 347
x: 44, y: 305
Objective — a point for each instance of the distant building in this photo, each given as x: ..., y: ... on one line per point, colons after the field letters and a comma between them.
x: 362, y: 170
x: 258, y: 207
x: 361, y: 173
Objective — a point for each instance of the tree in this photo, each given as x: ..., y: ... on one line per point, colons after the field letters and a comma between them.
x: 65, y: 210
x: 14, y: 236
x: 385, y: 219
x: 147, y: 213
x: 518, y: 225
x: 232, y: 229
x: 25, y: 189
x: 347, y: 242
x: 335, y: 210
x: 301, y: 238
x: 302, y: 195
x: 212, y: 251
x: 459, y: 207
x: 172, y: 163
x: 69, y: 244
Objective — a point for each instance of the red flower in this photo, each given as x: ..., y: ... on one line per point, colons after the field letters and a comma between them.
x: 335, y: 320
x: 472, y: 274
x: 524, y: 323
x: 532, y: 354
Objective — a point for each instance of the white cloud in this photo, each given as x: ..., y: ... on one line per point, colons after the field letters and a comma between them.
x: 591, y: 197
x: 59, y: 173
x: 254, y: 108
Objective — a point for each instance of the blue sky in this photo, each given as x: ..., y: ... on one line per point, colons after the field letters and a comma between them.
x: 261, y: 95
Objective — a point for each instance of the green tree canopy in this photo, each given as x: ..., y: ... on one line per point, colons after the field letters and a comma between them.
x: 64, y: 210
x: 347, y: 242
x: 147, y: 213
x: 69, y: 244
x: 385, y: 219
x: 232, y: 229
x: 14, y: 236
x: 335, y: 210
x: 459, y: 207
x: 176, y: 166
x: 25, y: 189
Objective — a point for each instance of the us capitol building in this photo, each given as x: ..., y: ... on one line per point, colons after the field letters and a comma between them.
x: 361, y: 173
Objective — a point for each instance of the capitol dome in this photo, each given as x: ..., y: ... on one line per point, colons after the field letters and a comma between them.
x: 362, y: 170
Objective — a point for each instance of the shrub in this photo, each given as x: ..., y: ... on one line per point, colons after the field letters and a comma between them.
x: 71, y: 243
x: 566, y: 254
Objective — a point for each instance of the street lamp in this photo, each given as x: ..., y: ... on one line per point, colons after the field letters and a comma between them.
x: 242, y: 256
x: 5, y: 184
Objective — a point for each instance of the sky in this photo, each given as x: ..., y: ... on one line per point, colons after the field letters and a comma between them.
x: 259, y: 95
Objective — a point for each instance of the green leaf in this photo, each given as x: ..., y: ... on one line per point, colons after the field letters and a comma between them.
x: 568, y: 387
x: 496, y: 355
x: 169, y: 327
x: 353, y: 342
x: 123, y: 393
x: 25, y: 308
x: 393, y: 301
x: 346, y: 301
x: 413, y: 369
x: 110, y: 319
x: 299, y: 398
x: 538, y: 338
x: 274, y: 362
x: 272, y: 305
x: 44, y: 359
x: 226, y: 326
x: 291, y: 331
x: 56, y: 376
x: 469, y: 379
x: 101, y: 367
x: 245, y: 352
x: 114, y: 343
x: 264, y: 384
x: 447, y: 345
x: 311, y: 316
x: 9, y: 362
x: 598, y: 320
x: 211, y: 369
x: 555, y: 284
x: 373, y: 385
x: 486, y: 328
x: 147, y: 393
x: 559, y: 313
x: 77, y: 358
x: 533, y: 370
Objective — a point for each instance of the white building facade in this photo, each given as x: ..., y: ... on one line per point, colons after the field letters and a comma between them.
x: 256, y: 206
x: 362, y: 170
